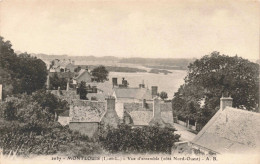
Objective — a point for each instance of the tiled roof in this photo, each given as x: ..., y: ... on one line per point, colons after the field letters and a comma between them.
x: 61, y: 64
x: 133, y: 93
x: 86, y: 111
x: 141, y: 117
x: 105, y: 87
x: 145, y: 117
x: 231, y: 130
x: 81, y: 72
x: 99, y: 96
x: 149, y: 106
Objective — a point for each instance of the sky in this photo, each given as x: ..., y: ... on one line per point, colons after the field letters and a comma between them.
x: 155, y: 29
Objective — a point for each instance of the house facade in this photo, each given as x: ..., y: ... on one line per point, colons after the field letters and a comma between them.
x: 83, y: 75
x: 123, y: 93
x: 87, y: 117
x: 62, y: 66
x: 138, y: 114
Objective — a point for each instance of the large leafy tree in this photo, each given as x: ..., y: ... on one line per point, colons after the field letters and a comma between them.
x: 100, y: 73
x: 21, y: 73
x: 211, y: 77
x: 56, y: 81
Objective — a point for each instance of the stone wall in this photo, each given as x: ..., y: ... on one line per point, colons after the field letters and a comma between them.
x: 181, y: 148
x: 86, y: 128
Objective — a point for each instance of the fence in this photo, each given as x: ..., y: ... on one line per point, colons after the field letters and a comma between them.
x: 191, y: 124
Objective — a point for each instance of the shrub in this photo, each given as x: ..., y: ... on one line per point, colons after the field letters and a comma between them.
x: 29, y: 128
x: 151, y: 139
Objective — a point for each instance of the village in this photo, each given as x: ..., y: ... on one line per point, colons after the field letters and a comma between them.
x: 82, y: 105
x: 141, y: 106
x: 129, y: 81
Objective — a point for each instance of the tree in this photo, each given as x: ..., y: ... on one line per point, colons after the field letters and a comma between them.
x: 83, y: 90
x: 28, y: 127
x: 211, y: 77
x: 56, y: 81
x: 32, y: 72
x: 148, y: 139
x: 49, y: 101
x: 163, y: 95
x: 100, y: 73
x: 27, y: 73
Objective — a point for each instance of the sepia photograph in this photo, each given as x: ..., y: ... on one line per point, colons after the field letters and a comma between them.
x: 129, y: 81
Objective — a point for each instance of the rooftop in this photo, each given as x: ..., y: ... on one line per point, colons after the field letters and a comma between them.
x: 87, y: 111
x: 133, y: 93
x: 231, y: 130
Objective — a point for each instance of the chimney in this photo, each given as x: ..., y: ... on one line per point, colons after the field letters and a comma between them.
x: 124, y: 82
x: 142, y: 85
x: 110, y: 117
x: 111, y: 103
x: 225, y: 101
x: 114, y: 81
x: 154, y: 91
x: 156, y: 108
x: 144, y: 103
x: 1, y: 92
x: 73, y: 62
x: 86, y: 68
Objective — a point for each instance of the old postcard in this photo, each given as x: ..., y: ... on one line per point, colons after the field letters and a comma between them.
x: 112, y: 81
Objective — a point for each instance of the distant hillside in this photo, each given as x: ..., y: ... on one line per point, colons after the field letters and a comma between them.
x: 76, y: 58
x: 156, y: 71
x: 160, y: 63
x: 116, y: 69
x: 156, y: 63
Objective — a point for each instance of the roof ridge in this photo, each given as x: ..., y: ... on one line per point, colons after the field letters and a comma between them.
x: 241, y: 110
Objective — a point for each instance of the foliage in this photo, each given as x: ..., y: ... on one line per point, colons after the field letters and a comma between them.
x: 100, y: 73
x: 56, y: 81
x: 139, y: 140
x: 211, y: 77
x: 7, y: 82
x: 22, y: 73
x: 48, y: 100
x: 163, y: 95
x: 27, y: 125
x: 52, y: 139
x: 83, y: 90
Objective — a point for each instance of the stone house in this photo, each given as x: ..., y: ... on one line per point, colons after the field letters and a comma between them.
x: 146, y: 114
x: 123, y: 93
x: 87, y: 117
x: 62, y: 66
x: 83, y: 75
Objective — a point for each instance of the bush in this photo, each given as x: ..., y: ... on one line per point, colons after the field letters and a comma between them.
x: 139, y: 140
x: 28, y: 127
